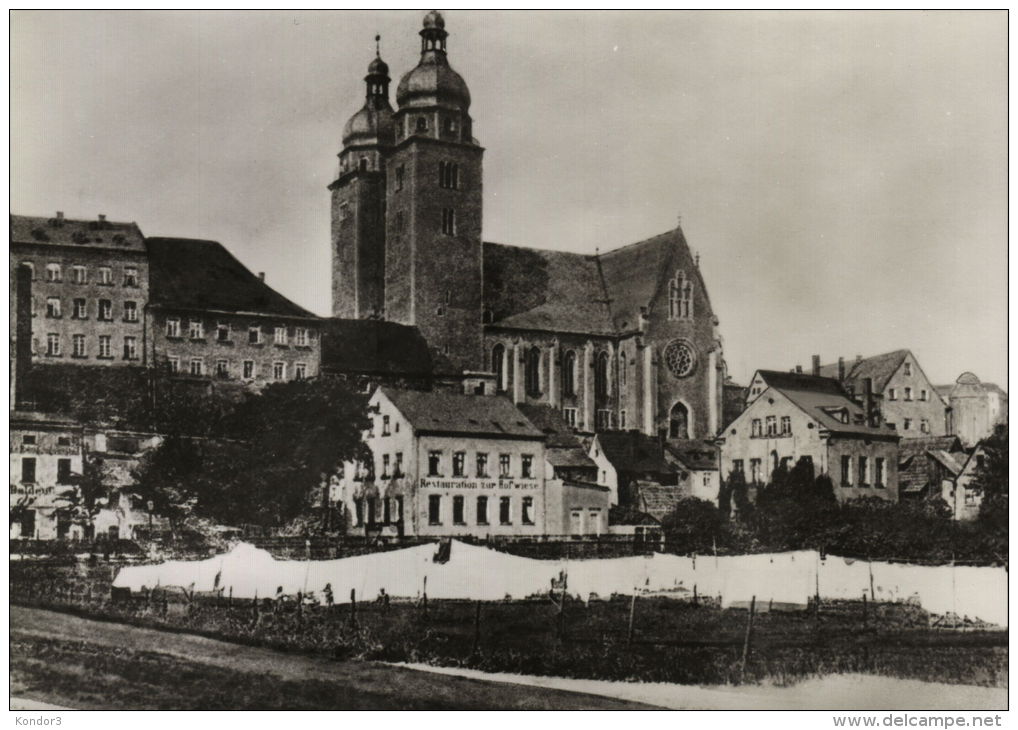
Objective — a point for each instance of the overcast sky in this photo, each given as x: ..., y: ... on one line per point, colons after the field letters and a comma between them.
x: 842, y: 175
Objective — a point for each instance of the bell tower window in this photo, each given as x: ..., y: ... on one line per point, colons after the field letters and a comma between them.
x: 449, y: 221
x: 422, y: 124
x: 449, y: 175
x: 364, y: 164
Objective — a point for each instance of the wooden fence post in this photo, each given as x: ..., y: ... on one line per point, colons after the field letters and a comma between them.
x: 229, y: 599
x: 353, y: 607
x: 477, y: 629
x: 864, y: 612
x: 632, y: 616
x: 747, y: 646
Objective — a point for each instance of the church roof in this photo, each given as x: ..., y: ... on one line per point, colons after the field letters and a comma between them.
x: 191, y: 274
x: 444, y: 412
x: 879, y: 368
x: 372, y: 346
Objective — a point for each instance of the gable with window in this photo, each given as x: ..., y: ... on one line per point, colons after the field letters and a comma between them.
x: 680, y: 297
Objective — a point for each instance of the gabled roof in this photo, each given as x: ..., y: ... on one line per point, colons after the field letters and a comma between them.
x: 910, y: 446
x: 441, y: 412
x: 694, y: 455
x: 187, y: 273
x: 73, y: 232
x: 563, y: 448
x: 371, y: 346
x: 657, y: 500
x: 948, y: 461
x: 879, y: 368
x: 801, y: 381
x: 632, y: 451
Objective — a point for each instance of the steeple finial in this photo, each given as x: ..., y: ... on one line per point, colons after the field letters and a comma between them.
x: 378, y: 48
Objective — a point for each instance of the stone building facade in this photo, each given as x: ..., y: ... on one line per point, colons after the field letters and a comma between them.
x: 976, y: 407
x: 619, y: 340
x: 45, y: 461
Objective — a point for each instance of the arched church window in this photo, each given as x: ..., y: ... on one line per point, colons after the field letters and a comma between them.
x: 680, y: 297
x: 498, y: 365
x: 532, y: 371
x: 569, y: 374
x: 678, y: 422
x: 622, y: 371
x: 601, y: 375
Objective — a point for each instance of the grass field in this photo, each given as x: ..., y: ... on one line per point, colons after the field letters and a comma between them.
x: 671, y: 641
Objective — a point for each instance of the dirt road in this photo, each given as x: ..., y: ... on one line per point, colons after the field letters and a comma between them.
x: 65, y: 660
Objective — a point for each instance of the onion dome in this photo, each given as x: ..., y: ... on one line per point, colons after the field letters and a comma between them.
x: 433, y: 82
x: 373, y: 124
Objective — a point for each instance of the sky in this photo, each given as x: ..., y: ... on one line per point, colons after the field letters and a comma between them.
x: 843, y: 175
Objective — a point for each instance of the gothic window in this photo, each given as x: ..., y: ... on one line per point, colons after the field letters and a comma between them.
x: 680, y: 297
x: 678, y: 422
x: 532, y: 371
x: 601, y: 375
x: 622, y: 371
x: 569, y: 374
x: 498, y: 365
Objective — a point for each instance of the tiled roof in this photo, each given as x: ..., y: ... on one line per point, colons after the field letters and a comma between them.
x: 632, y: 451
x: 657, y: 500
x: 456, y: 413
x: 186, y: 273
x: 563, y: 447
x: 569, y: 458
x: 879, y: 368
x: 949, y: 461
x: 618, y: 515
x: 908, y: 447
x: 372, y: 346
x: 801, y: 381
x: 68, y: 232
x: 694, y: 455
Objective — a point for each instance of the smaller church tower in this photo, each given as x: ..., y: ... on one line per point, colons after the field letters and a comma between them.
x: 433, y: 215
x: 358, y: 202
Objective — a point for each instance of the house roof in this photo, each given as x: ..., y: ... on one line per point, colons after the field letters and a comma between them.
x: 632, y: 451
x: 568, y: 458
x: 879, y: 368
x: 75, y: 232
x: 456, y: 413
x: 374, y: 346
x: 910, y: 446
x: 948, y: 460
x: 655, y: 499
x: 618, y: 515
x: 694, y: 455
x: 187, y: 273
x: 820, y: 398
x: 563, y: 448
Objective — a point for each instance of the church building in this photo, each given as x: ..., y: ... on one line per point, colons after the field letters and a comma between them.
x: 620, y: 340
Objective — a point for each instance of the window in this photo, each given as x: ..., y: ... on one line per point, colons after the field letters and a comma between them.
x: 601, y: 375
x: 385, y: 466
x: 344, y: 211
x: 223, y: 332
x: 53, y: 272
x: 130, y: 276
x: 448, y: 175
x: 532, y: 371
x: 892, y: 394
x: 505, y: 514
x: 772, y: 426
x: 498, y: 366
x: 80, y: 309
x: 755, y: 471
x: 80, y: 275
x: 449, y: 221
x: 173, y: 327
x: 504, y: 465
x: 300, y: 371
x: 279, y: 335
x: 923, y: 395
x: 434, y: 463
x: 622, y: 419
x: 105, y: 276
x: 527, y: 466
x: 53, y: 344
x: 105, y: 346
x: 53, y: 307
x: 846, y: 471
x: 908, y: 394
x: 756, y: 427
x: 527, y: 513
x: 482, y: 510
x: 397, y: 470
x: 622, y: 371
x: 358, y: 508
x: 197, y: 366
x: 28, y: 469
x: 195, y: 329
x: 130, y: 311
x: 173, y: 364
x: 482, y: 464
x: 300, y: 336
x: 279, y: 371
x: 786, y: 425
x: 569, y: 374
x: 130, y: 348
x: 457, y: 511
x: 680, y: 297
x: 78, y: 345
x: 569, y: 414
x: 864, y: 473
x: 105, y: 311
x: 459, y: 460
x: 450, y: 124
x: 924, y: 426
x: 880, y: 479
x: 603, y: 419
x: 422, y: 124
x: 28, y: 440
x: 434, y: 509
x: 64, y: 471
x: 678, y: 422
x: 906, y: 424
x: 222, y: 368
x: 400, y: 172
x: 249, y: 369
x: 908, y: 368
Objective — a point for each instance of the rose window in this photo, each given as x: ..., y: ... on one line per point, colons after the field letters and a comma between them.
x: 680, y: 358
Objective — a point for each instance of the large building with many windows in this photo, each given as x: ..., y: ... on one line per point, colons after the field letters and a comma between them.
x: 624, y: 339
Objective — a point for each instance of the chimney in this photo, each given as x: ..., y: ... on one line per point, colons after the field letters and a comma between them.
x: 858, y: 359
x: 60, y: 215
x: 102, y: 217
x: 816, y: 364
x: 798, y: 369
x: 867, y: 399
x: 261, y: 275
x: 841, y: 369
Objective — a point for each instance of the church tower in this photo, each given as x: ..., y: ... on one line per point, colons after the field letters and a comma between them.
x: 358, y: 203
x: 433, y: 210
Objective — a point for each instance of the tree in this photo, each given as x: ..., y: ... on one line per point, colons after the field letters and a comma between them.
x: 694, y: 525
x: 89, y: 494
x: 991, y: 480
